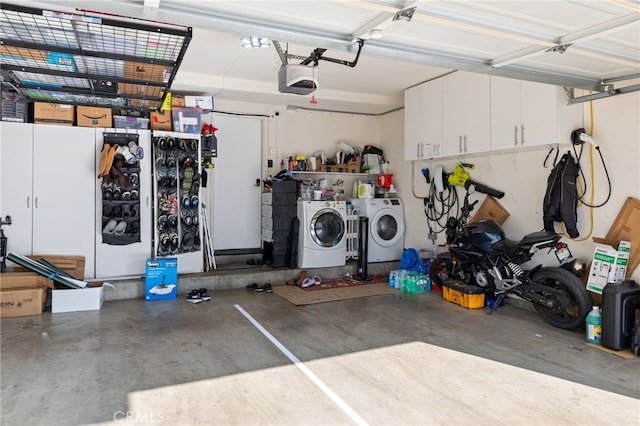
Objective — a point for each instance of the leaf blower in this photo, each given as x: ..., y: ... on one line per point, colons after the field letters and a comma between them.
x: 460, y: 177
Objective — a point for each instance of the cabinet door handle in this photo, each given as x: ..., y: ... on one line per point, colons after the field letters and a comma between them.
x: 28, y: 201
x: 522, y: 134
x: 147, y: 201
x: 515, y: 135
x: 422, y: 150
x: 418, y: 150
x: 465, y: 143
x: 36, y: 202
x: 460, y: 143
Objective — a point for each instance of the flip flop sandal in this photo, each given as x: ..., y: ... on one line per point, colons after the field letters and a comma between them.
x: 162, y: 222
x: 186, y: 220
x: 110, y: 226
x: 161, y: 142
x: 194, y: 217
x: 171, y: 162
x: 165, y: 241
x: 126, y: 195
x: 194, y: 200
x: 171, y: 143
x: 268, y: 288
x: 204, y: 294
x: 134, y: 194
x: 174, y: 240
x: 126, y: 211
x: 194, y: 296
x: 120, y: 228
x: 173, y: 222
x: 182, y: 144
x: 307, y: 282
x: 193, y: 145
x: 186, y: 201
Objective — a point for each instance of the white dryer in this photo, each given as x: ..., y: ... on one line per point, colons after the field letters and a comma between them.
x: 386, y: 227
x: 321, y: 240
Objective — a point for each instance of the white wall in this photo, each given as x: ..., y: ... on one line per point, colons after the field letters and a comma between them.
x: 616, y: 128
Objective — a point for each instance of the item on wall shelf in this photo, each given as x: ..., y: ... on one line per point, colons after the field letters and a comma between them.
x: 119, y: 169
x: 178, y: 188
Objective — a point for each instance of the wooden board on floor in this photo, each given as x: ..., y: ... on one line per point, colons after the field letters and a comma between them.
x: 298, y: 296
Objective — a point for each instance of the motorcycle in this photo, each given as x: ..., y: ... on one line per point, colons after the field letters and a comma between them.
x: 479, y: 253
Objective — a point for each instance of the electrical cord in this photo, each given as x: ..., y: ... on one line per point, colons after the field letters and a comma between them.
x: 439, y: 205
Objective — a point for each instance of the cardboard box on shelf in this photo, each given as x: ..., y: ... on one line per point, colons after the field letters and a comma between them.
x: 22, y: 302
x: 147, y: 72
x: 47, y: 113
x: 491, y: 209
x: 161, y: 120
x: 93, y: 117
x: 89, y: 298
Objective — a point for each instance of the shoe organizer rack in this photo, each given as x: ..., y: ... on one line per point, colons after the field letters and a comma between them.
x: 178, y: 188
x: 121, y: 189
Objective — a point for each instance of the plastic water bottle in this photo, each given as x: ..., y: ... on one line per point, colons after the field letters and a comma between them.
x: 594, y: 326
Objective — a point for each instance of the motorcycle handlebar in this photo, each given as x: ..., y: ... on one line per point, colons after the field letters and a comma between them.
x: 483, y: 189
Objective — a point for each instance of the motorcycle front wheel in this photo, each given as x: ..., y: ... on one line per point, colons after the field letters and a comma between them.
x: 570, y: 308
x: 441, y: 269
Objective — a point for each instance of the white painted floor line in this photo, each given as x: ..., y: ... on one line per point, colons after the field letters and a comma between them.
x: 315, y: 379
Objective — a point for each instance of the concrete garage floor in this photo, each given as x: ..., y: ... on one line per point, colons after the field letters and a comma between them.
x: 254, y: 358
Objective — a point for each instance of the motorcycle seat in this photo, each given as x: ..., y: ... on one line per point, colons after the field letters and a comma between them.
x: 527, y: 240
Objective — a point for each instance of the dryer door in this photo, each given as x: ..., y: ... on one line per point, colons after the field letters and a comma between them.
x: 386, y: 227
x: 327, y: 228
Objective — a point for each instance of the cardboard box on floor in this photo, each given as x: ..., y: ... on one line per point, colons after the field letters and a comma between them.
x: 89, y: 298
x: 22, y: 294
x: 624, y: 228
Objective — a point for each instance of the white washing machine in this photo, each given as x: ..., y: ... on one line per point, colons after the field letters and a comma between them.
x: 321, y: 240
x: 386, y: 227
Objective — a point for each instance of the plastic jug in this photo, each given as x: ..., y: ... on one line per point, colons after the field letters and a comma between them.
x: 594, y: 326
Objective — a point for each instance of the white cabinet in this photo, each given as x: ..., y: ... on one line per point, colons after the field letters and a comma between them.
x: 48, y: 187
x: 423, y: 121
x: 16, y: 180
x: 525, y: 113
x: 465, y: 113
x: 124, y: 260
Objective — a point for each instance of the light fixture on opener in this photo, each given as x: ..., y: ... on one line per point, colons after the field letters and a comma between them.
x: 375, y: 33
x: 255, y: 42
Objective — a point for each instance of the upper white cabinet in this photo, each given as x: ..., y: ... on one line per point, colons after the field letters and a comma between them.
x: 465, y: 113
x: 525, y: 113
x: 423, y: 121
x: 48, y: 190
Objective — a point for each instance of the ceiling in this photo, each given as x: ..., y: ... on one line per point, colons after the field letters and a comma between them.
x: 591, y: 45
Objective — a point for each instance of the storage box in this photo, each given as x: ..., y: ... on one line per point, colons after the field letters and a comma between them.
x: 491, y: 209
x: 22, y: 302
x: 93, y: 117
x: 186, y: 120
x: 161, y: 279
x: 89, y: 298
x: 126, y: 122
x: 46, y: 113
x: 161, y: 121
x: 147, y: 72
x: 22, y: 280
x: 465, y: 295
x: 178, y: 101
x: 602, y: 268
x: 202, y: 102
